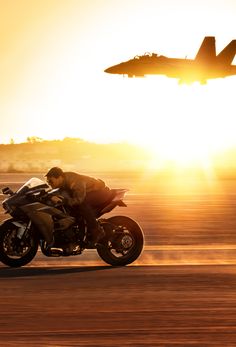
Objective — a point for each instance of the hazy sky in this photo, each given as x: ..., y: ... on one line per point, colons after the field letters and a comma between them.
x: 53, y: 54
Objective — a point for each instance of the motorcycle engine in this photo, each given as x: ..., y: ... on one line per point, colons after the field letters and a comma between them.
x: 65, y: 230
x: 66, y: 236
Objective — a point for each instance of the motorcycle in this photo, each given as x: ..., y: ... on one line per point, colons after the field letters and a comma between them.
x: 20, y: 238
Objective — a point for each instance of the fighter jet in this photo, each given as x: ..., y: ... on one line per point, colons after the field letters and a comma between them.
x: 206, y: 65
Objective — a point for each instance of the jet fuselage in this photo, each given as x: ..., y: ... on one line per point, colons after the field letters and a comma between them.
x: 206, y: 65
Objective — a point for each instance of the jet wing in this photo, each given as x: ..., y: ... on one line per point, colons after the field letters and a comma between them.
x: 207, y: 50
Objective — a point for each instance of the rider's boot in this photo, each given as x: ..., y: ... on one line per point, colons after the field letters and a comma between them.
x: 69, y: 249
x: 50, y: 245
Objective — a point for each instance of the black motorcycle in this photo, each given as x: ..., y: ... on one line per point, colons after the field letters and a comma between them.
x: 20, y: 238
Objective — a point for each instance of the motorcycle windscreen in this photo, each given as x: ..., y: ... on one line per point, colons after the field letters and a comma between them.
x: 33, y: 183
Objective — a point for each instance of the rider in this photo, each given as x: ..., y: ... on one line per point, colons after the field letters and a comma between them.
x: 81, y: 193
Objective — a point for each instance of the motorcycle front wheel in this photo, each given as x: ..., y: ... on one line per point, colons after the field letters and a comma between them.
x: 15, y: 251
x: 125, y: 243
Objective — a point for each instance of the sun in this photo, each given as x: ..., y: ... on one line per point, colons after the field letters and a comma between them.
x: 185, y: 124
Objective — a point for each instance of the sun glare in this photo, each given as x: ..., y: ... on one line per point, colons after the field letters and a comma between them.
x: 185, y: 124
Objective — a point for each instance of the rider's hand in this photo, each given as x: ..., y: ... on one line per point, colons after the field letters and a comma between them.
x: 56, y: 199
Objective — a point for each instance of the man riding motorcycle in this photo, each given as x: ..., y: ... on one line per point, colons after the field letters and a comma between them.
x: 80, y: 193
x: 33, y: 220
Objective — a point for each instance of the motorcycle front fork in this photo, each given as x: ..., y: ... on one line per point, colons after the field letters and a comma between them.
x: 23, y: 228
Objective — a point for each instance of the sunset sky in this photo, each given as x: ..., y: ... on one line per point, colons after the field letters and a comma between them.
x: 52, y: 82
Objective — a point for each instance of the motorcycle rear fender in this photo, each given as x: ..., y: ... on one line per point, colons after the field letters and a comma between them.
x: 112, y: 205
x: 119, y: 194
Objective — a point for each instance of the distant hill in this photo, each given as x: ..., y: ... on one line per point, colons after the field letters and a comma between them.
x: 37, y: 155
x: 71, y: 153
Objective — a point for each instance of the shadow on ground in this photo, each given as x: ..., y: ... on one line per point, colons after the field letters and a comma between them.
x: 47, y: 271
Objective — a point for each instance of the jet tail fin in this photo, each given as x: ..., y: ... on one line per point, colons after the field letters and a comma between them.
x: 227, y: 55
x: 207, y: 50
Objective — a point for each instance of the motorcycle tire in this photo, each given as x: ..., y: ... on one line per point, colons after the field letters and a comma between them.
x: 9, y: 243
x: 132, y: 242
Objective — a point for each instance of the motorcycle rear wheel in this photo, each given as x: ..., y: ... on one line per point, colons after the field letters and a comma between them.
x: 126, y: 245
x: 16, y: 252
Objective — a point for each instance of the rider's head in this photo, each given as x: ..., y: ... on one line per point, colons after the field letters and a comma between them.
x: 55, y: 177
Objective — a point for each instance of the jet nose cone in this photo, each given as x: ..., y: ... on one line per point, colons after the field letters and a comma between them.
x: 108, y: 70
x: 111, y: 69
x: 121, y: 69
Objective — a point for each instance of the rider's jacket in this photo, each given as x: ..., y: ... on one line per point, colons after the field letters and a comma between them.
x: 77, y: 186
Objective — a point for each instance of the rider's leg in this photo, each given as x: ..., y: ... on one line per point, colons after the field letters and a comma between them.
x: 94, y: 230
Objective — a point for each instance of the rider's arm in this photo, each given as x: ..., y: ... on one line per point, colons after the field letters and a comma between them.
x: 77, y: 193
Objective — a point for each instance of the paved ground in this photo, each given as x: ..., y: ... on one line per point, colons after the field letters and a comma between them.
x: 105, y: 306
x: 180, y: 292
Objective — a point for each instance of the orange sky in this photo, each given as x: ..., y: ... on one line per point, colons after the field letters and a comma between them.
x: 52, y: 57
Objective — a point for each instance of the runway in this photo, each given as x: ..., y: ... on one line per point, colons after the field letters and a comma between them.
x: 180, y: 292
x: 131, y: 306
